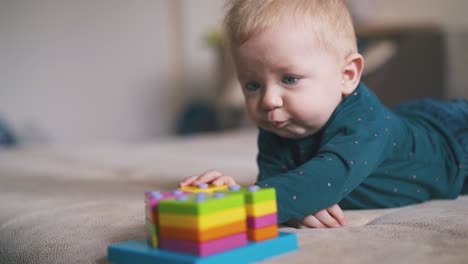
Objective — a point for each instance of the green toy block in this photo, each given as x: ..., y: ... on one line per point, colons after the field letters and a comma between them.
x: 254, y: 195
x: 202, y: 203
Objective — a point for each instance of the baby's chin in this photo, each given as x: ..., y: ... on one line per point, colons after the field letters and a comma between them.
x: 292, y: 132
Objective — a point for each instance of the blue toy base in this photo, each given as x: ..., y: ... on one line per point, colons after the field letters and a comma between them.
x: 138, y: 251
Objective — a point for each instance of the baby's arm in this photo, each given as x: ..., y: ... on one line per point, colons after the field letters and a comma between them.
x: 330, y: 217
x: 343, y: 161
x: 270, y: 165
x: 218, y: 178
x: 212, y: 176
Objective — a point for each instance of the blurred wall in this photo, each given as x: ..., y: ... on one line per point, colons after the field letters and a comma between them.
x: 450, y: 14
x: 118, y: 70
x: 200, y: 60
x: 85, y: 71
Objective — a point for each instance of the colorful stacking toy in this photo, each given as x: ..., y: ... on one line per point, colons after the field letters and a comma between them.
x: 207, y: 224
x: 152, y: 200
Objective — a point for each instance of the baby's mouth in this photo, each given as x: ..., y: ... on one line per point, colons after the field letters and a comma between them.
x: 279, y: 124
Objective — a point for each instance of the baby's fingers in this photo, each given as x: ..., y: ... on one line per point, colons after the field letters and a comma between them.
x: 224, y: 180
x: 325, y: 218
x: 336, y: 212
x: 208, y: 177
x: 188, y: 181
x: 311, y: 221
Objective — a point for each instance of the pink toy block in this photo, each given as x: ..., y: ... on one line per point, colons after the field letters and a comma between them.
x: 206, y: 248
x: 262, y: 221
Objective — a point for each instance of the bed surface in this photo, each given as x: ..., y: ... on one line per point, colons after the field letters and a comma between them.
x: 67, y: 204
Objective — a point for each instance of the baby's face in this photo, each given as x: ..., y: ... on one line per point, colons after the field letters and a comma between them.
x: 291, y: 85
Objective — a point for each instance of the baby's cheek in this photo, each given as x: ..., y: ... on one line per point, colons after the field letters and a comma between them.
x: 311, y: 113
x: 302, y: 107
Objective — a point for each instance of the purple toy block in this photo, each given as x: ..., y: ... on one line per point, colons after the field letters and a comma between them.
x: 152, y: 198
x: 262, y: 221
x: 206, y: 248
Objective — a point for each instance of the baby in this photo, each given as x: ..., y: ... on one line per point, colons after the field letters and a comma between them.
x: 325, y: 141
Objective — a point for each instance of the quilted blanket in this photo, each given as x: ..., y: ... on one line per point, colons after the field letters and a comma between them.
x: 67, y: 204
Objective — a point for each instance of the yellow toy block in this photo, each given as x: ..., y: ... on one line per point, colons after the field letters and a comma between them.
x: 260, y: 209
x: 153, y: 242
x: 203, y: 188
x: 205, y: 221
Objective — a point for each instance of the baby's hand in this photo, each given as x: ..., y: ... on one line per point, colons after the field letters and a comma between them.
x: 331, y: 217
x: 212, y: 176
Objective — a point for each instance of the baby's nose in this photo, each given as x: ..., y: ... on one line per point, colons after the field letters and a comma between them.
x: 271, y: 100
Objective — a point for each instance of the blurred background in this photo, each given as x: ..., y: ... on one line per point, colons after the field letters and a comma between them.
x: 103, y: 71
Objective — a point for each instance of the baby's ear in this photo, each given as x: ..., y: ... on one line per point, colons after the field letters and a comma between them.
x: 351, y: 73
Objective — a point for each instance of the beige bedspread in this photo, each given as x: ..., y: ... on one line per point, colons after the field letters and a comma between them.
x: 66, y: 205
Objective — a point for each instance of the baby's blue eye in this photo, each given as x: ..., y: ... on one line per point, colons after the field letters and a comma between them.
x: 289, y: 80
x: 252, y: 86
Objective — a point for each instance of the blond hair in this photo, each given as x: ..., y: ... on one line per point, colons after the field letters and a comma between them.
x: 328, y: 20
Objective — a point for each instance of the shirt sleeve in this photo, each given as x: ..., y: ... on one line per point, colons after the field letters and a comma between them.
x: 340, y: 165
x: 269, y: 158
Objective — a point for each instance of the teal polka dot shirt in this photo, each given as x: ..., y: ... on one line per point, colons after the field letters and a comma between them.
x: 366, y: 156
